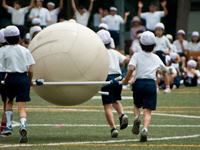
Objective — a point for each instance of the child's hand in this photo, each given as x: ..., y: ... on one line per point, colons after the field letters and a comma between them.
x: 140, y: 4
x: 32, y: 84
x: 100, y: 10
x: 127, y: 13
x: 124, y: 82
x: 164, y: 3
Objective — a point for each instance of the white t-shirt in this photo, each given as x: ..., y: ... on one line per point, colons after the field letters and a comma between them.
x: 146, y: 65
x: 115, y: 58
x: 113, y: 22
x: 17, y: 59
x: 152, y: 18
x: 197, y: 72
x: 43, y: 14
x: 112, y: 44
x: 2, y: 69
x: 54, y: 16
x: 162, y: 44
x: 82, y: 19
x: 178, y: 45
x: 135, y: 46
x: 18, y: 16
x: 173, y: 47
x: 193, y: 46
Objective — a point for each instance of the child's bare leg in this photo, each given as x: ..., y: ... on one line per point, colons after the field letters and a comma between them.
x: 109, y: 115
x: 22, y: 113
x: 118, y: 107
x: 147, y: 118
x: 136, y: 111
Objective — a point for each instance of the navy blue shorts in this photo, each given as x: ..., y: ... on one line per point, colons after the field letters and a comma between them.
x: 113, y: 89
x: 145, y: 94
x: 162, y: 56
x: 115, y: 36
x: 2, y: 87
x: 182, y: 54
x: 18, y: 85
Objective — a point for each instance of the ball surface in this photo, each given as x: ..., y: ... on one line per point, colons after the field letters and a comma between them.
x: 68, y: 52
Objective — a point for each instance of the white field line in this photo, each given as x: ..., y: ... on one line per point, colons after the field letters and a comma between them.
x: 100, y: 142
x: 123, y: 97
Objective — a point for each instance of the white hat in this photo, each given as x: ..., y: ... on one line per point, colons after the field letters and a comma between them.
x: 169, y: 36
x: 181, y: 32
x: 51, y: 4
x: 11, y: 31
x: 36, y: 21
x: 160, y: 25
x: 2, y: 40
x: 147, y: 38
x: 28, y: 36
x: 105, y: 36
x: 192, y: 63
x: 34, y: 30
x: 72, y: 20
x: 195, y: 33
x: 113, y: 9
x: 173, y: 55
x: 104, y: 26
x: 136, y: 19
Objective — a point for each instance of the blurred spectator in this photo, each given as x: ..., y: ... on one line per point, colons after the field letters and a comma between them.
x: 135, y: 46
x: 136, y: 22
x: 40, y: 12
x: 82, y: 15
x: 18, y: 14
x: 54, y: 12
x: 170, y: 38
x: 34, y: 31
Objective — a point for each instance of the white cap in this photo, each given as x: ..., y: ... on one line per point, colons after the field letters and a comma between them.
x: 181, y: 32
x: 192, y: 63
x: 195, y: 33
x: 147, y: 38
x: 169, y: 36
x: 160, y: 25
x: 28, y: 36
x: 136, y: 19
x: 72, y: 20
x: 36, y: 21
x: 104, y: 26
x: 173, y: 55
x: 33, y: 30
x: 11, y: 31
x: 105, y: 36
x: 113, y: 9
x: 51, y: 4
x: 2, y: 39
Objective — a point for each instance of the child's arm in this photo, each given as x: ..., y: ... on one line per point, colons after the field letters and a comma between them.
x: 126, y: 61
x: 4, y: 4
x: 91, y: 6
x: 30, y: 74
x: 140, y: 5
x: 74, y: 6
x: 128, y: 75
x: 31, y: 5
x: 61, y: 5
x: 163, y: 4
x: 126, y: 16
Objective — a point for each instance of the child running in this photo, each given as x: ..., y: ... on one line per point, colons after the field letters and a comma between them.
x: 145, y: 64
x: 112, y: 100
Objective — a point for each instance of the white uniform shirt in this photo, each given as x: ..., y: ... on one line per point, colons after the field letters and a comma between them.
x: 43, y: 14
x: 82, y: 19
x: 112, y: 44
x: 162, y: 44
x: 54, y: 16
x: 193, y: 46
x: 115, y: 58
x: 152, y: 18
x: 146, y: 65
x: 178, y: 45
x: 135, y: 46
x: 17, y: 59
x: 18, y: 16
x: 113, y: 22
x: 173, y: 47
x: 2, y: 69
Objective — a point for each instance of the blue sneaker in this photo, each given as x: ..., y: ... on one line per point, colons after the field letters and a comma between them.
x: 23, y: 135
x: 7, y: 131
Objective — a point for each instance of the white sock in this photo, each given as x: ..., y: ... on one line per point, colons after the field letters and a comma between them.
x: 136, y: 117
x: 23, y: 122
x: 145, y: 129
x: 9, y: 114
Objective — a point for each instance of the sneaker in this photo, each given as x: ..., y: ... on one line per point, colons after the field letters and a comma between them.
x: 114, y: 133
x: 23, y: 135
x: 2, y: 135
x: 167, y: 90
x: 123, y: 121
x: 143, y: 136
x: 7, y: 131
x: 136, y: 126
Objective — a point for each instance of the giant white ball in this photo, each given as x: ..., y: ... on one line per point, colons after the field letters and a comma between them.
x: 67, y: 52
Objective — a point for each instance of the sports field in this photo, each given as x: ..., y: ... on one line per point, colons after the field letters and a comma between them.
x: 175, y: 125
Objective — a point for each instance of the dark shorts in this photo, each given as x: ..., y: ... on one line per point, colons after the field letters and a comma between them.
x: 2, y: 87
x: 18, y: 85
x: 182, y: 54
x: 115, y: 36
x: 189, y: 81
x: 145, y: 94
x: 113, y: 89
x: 162, y: 56
x: 21, y: 29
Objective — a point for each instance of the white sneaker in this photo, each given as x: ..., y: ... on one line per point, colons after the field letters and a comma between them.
x: 167, y: 90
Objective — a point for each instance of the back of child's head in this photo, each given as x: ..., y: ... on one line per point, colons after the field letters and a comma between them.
x: 103, y: 26
x: 192, y: 63
x: 2, y: 39
x: 105, y: 37
x: 11, y: 34
x: 169, y: 36
x: 147, y: 41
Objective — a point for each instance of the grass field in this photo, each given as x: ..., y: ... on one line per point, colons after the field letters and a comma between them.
x: 175, y: 125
